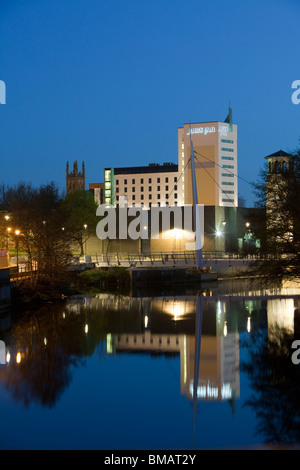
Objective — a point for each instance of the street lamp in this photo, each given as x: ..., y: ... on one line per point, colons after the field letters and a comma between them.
x: 85, y: 227
x: 17, y: 232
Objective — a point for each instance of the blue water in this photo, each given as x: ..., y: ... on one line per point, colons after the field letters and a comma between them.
x: 81, y: 389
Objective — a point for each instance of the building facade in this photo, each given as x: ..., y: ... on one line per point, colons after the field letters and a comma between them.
x: 97, y: 189
x: 216, y: 167
x: 144, y: 185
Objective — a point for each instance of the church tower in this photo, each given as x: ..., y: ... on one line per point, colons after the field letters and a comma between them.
x: 280, y: 179
x: 75, y: 179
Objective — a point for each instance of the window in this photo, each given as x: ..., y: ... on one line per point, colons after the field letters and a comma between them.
x: 227, y: 191
x: 133, y: 197
x: 158, y: 180
x: 158, y: 196
x: 133, y: 189
x: 227, y: 158
x: 167, y: 180
x: 107, y: 175
x: 227, y: 183
x: 167, y: 196
x: 227, y: 200
x: 125, y: 189
x: 175, y: 195
x: 227, y: 166
x: 158, y: 188
x: 175, y: 187
x: 228, y: 174
x: 167, y: 188
x: 226, y: 149
x: 142, y: 197
x: 227, y: 141
x: 125, y: 181
x: 117, y: 190
x: 175, y: 179
x: 133, y: 181
x: 117, y: 181
x: 150, y: 188
x: 142, y: 180
x: 142, y: 189
x: 149, y: 181
x: 150, y: 196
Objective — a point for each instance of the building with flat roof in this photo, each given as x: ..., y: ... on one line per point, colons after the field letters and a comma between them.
x: 142, y: 185
x: 215, y: 149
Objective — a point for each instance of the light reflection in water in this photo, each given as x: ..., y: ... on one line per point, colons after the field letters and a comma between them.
x: 162, y: 325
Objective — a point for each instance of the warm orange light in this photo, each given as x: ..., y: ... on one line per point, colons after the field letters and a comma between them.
x: 17, y: 232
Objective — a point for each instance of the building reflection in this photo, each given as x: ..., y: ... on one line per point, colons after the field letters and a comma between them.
x: 163, y: 325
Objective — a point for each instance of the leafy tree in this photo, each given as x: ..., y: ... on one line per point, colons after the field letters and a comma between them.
x: 79, y: 210
x: 37, y: 216
x: 278, y: 196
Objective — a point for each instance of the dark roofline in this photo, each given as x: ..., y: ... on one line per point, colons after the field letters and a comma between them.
x: 133, y: 170
x: 280, y: 153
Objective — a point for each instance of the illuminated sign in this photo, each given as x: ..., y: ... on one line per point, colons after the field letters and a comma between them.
x: 202, y: 130
x: 223, y: 130
x: 212, y: 392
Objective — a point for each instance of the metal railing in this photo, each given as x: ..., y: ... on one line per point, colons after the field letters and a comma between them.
x: 183, y: 257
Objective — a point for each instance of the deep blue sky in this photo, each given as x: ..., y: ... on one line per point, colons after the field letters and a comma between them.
x: 110, y: 81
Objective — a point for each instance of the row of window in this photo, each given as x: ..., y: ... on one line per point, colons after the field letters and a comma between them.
x: 150, y: 196
x: 149, y: 188
x: 149, y: 180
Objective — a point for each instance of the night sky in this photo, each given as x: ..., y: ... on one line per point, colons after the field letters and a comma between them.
x: 110, y: 81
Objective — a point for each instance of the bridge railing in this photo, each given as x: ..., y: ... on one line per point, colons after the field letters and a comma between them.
x: 186, y: 257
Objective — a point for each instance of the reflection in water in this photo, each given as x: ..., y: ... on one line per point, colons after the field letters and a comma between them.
x: 44, y: 347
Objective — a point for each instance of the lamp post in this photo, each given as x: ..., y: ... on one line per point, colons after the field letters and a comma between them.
x: 85, y: 227
x: 7, y: 240
x: 17, y: 232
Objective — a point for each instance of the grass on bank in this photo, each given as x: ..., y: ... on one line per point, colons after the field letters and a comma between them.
x: 104, y: 277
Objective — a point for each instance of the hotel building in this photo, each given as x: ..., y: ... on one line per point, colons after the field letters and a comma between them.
x: 145, y: 185
x: 215, y: 148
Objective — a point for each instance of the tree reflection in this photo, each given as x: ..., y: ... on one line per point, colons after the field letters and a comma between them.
x: 275, y: 382
x: 48, y: 345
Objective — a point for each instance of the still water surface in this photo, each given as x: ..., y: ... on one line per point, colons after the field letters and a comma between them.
x: 195, y: 370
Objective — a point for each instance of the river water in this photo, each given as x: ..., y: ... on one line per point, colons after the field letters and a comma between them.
x: 211, y: 369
